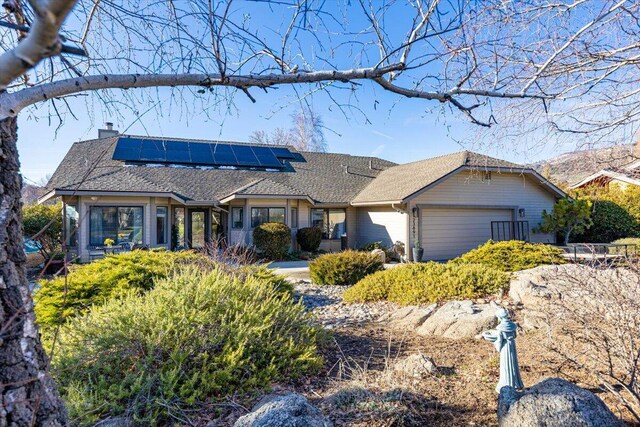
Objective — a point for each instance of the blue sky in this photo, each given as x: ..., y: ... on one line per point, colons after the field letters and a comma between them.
x: 380, y: 123
x: 400, y: 130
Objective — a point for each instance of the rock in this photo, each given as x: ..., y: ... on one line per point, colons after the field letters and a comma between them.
x: 290, y: 410
x: 380, y: 254
x: 460, y: 319
x: 416, y: 365
x: 553, y: 402
x: 408, y: 318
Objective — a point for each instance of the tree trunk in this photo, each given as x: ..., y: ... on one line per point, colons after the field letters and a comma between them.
x: 28, y: 395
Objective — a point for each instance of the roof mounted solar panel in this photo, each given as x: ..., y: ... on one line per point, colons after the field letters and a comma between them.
x: 245, y: 156
x: 267, y: 158
x: 201, y: 153
x: 127, y: 149
x: 152, y: 150
x: 223, y: 155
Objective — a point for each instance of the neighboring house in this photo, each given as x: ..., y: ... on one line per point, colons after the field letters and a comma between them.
x: 621, y: 177
x: 183, y: 193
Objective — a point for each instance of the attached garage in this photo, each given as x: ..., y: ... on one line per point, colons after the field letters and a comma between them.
x: 446, y: 233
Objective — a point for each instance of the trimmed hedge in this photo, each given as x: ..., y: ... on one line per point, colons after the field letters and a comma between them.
x: 512, y: 255
x: 272, y: 239
x: 195, y: 339
x: 424, y: 283
x: 343, y: 268
x: 309, y: 238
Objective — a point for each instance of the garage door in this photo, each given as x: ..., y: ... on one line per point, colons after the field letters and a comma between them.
x: 448, y: 233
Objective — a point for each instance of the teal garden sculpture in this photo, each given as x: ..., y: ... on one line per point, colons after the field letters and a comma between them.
x: 504, y: 339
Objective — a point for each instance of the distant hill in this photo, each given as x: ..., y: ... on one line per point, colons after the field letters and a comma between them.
x: 30, y: 193
x: 570, y: 168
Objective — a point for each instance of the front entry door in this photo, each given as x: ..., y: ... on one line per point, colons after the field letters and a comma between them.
x: 198, y: 235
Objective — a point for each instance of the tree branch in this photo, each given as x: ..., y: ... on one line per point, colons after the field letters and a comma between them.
x: 12, y: 103
x: 41, y: 42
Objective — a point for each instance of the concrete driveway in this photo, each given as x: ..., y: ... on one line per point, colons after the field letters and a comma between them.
x: 298, y: 270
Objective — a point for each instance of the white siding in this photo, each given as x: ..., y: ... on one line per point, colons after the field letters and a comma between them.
x: 448, y: 233
x: 380, y: 224
x: 504, y: 189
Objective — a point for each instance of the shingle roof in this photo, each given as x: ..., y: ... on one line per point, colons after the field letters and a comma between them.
x: 324, y: 177
x: 399, y: 182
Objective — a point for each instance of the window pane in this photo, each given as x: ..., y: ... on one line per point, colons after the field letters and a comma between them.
x: 317, y: 220
x: 259, y: 216
x: 237, y: 217
x: 277, y: 215
x: 103, y: 224
x: 216, y: 226
x: 129, y: 225
x: 197, y: 227
x: 71, y: 222
x: 336, y: 223
x: 294, y: 217
x: 161, y: 225
x: 177, y: 232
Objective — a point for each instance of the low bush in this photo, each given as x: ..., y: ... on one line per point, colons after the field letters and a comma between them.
x: 57, y: 300
x: 272, y: 239
x: 610, y: 222
x: 200, y: 336
x: 309, y: 238
x: 343, y: 268
x: 428, y: 282
x: 513, y: 255
x: 626, y: 241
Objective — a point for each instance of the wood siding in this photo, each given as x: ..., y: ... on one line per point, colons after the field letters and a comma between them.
x: 511, y: 190
x: 380, y: 224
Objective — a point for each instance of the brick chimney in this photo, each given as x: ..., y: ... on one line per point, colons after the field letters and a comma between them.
x: 109, y: 131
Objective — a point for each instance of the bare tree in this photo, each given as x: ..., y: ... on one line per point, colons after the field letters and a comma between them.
x: 568, y: 67
x: 306, y: 133
x: 595, y: 324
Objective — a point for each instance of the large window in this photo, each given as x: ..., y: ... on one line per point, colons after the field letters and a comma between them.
x: 162, y: 221
x: 332, y: 222
x: 237, y: 217
x: 122, y: 224
x: 262, y: 215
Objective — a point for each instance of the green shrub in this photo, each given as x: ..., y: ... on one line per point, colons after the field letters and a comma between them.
x: 373, y: 245
x: 309, y: 238
x: 610, y: 222
x: 115, y: 275
x: 428, y: 282
x: 512, y: 255
x: 273, y: 239
x: 200, y: 336
x: 343, y: 268
x: 35, y: 218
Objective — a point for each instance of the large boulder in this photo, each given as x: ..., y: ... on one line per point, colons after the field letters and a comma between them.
x: 539, y: 289
x: 553, y: 402
x: 460, y: 319
x: 290, y: 410
x: 408, y: 318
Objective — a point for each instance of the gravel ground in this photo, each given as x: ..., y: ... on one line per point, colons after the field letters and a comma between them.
x: 325, y: 302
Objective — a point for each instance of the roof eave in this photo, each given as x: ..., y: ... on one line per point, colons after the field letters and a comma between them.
x: 377, y: 203
x: 267, y: 196
x: 61, y: 192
